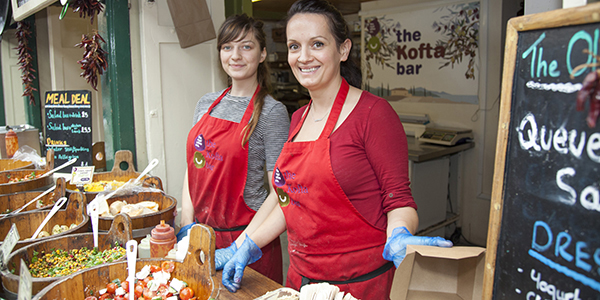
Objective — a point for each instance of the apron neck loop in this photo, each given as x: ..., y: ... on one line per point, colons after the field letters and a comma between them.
x: 249, y: 109
x: 336, y: 109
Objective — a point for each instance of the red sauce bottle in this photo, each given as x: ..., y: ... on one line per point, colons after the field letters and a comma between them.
x: 162, y: 240
x: 12, y: 143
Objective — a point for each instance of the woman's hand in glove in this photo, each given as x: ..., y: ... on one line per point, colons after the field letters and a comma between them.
x: 234, y: 269
x: 395, y: 247
x: 222, y: 256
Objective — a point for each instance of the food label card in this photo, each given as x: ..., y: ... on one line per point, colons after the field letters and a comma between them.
x: 82, y: 175
x: 24, y: 283
x: 9, y: 243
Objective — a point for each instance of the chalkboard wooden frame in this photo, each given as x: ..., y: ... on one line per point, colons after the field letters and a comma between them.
x: 547, y: 20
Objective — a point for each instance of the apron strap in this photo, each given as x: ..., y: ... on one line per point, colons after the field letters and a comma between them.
x: 380, y: 271
x: 336, y: 109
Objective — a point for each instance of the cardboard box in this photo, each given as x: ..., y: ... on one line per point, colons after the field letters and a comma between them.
x: 439, y: 273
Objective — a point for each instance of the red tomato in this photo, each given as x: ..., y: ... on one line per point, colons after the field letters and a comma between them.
x: 139, y: 290
x: 91, y: 298
x: 168, y: 266
x: 125, y: 286
x: 148, y: 294
x: 186, y: 293
x: 111, y: 288
x: 163, y: 291
x: 119, y: 298
x: 146, y: 280
x: 154, y: 269
x: 104, y: 296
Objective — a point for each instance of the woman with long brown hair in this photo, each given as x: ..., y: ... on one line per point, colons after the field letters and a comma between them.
x: 238, y: 132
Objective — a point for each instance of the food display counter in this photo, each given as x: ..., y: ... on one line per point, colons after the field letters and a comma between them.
x: 253, y: 286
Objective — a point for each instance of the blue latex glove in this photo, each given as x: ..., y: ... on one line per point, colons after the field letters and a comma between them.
x: 234, y: 268
x: 223, y: 255
x: 395, y: 247
x: 183, y: 232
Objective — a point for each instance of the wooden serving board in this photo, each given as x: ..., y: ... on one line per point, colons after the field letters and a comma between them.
x: 27, y: 185
x: 120, y: 232
x: 17, y: 200
x: 125, y: 158
x: 28, y: 222
x: 200, y: 275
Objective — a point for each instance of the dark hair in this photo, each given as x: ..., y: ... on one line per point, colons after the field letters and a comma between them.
x: 238, y: 26
x: 339, y: 29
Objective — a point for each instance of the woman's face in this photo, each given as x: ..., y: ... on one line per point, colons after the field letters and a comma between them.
x: 240, y: 58
x: 312, y: 52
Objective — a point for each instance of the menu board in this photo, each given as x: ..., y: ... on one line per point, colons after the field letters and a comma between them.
x: 69, y: 126
x: 544, y: 232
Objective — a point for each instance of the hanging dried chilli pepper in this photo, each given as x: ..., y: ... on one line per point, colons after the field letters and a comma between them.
x: 89, y: 8
x: 25, y: 61
x: 94, y: 61
x: 590, y: 89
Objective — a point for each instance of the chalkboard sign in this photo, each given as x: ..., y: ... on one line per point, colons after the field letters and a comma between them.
x: 69, y: 126
x: 544, y: 231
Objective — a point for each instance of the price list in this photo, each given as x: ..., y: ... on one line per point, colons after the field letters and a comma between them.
x: 68, y: 126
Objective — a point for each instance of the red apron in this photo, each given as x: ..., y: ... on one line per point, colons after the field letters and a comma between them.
x: 217, y: 167
x: 328, y: 239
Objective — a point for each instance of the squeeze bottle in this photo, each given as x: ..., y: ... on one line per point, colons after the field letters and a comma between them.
x: 12, y: 143
x: 162, y: 240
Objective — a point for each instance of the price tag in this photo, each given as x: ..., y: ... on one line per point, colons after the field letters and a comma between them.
x: 24, y: 282
x: 82, y: 175
x: 9, y: 243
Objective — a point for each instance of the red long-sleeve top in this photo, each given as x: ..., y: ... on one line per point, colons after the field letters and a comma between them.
x: 369, y: 158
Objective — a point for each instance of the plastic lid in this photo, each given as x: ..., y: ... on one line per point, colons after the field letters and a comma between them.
x: 163, y: 231
x: 10, y: 133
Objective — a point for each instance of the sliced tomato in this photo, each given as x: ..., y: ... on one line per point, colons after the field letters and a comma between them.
x: 154, y: 269
x: 146, y: 280
x: 163, y: 291
x: 111, y: 288
x: 139, y: 290
x: 91, y: 298
x: 105, y: 296
x: 125, y: 286
x: 148, y: 294
x: 168, y: 266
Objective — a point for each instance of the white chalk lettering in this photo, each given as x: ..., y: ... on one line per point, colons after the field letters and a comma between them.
x: 550, y: 289
x: 532, y: 138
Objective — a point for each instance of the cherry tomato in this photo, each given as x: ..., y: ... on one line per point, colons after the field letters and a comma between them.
x: 163, y: 291
x: 91, y: 298
x: 154, y: 269
x: 125, y: 286
x: 139, y: 290
x: 186, y: 293
x: 111, y: 288
x: 168, y: 266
